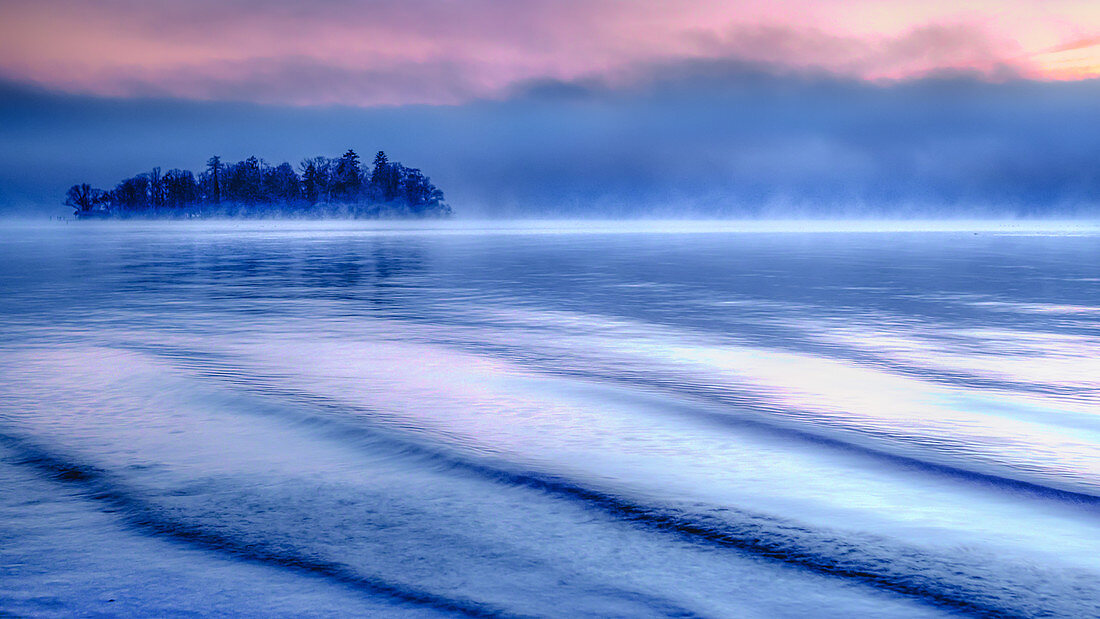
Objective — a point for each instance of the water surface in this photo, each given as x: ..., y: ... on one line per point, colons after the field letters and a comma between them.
x: 669, y: 419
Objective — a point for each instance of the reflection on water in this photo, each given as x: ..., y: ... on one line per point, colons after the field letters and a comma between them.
x: 676, y: 420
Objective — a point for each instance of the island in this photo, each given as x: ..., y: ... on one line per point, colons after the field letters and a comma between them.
x: 322, y: 187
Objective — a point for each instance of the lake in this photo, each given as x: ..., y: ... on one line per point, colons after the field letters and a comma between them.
x: 632, y: 419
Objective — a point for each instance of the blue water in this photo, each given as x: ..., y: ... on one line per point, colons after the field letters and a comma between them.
x: 549, y: 419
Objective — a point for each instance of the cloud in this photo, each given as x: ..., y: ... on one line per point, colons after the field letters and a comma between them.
x: 1076, y: 44
x: 913, y: 53
x: 304, y: 81
x: 374, y: 52
x: 694, y: 136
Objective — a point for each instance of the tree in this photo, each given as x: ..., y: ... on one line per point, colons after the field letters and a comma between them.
x: 244, y: 181
x: 417, y: 189
x: 315, y: 179
x: 255, y: 185
x: 282, y: 184
x: 347, y: 178
x: 381, y: 167
x: 156, y: 188
x: 180, y: 189
x: 419, y: 194
x: 212, y: 185
x: 132, y: 193
x: 385, y: 179
x: 84, y: 198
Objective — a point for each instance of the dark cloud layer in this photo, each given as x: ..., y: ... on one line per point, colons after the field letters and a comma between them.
x: 688, y: 137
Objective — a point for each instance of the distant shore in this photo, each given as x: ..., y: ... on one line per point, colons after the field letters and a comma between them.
x: 274, y: 211
x: 251, y: 189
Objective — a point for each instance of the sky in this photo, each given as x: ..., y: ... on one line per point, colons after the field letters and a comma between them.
x: 570, y: 106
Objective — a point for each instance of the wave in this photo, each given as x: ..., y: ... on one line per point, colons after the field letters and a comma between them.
x: 912, y: 450
x: 726, y: 398
x: 981, y: 586
x: 100, y: 486
x: 761, y: 416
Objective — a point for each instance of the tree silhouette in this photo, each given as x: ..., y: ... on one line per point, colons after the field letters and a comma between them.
x: 84, y: 199
x: 347, y: 177
x: 315, y: 175
x: 324, y: 188
x: 212, y: 184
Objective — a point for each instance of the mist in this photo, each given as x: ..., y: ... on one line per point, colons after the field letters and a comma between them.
x: 712, y: 139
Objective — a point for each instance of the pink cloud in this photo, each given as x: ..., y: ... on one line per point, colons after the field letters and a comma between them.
x: 445, y: 52
x: 1076, y: 45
